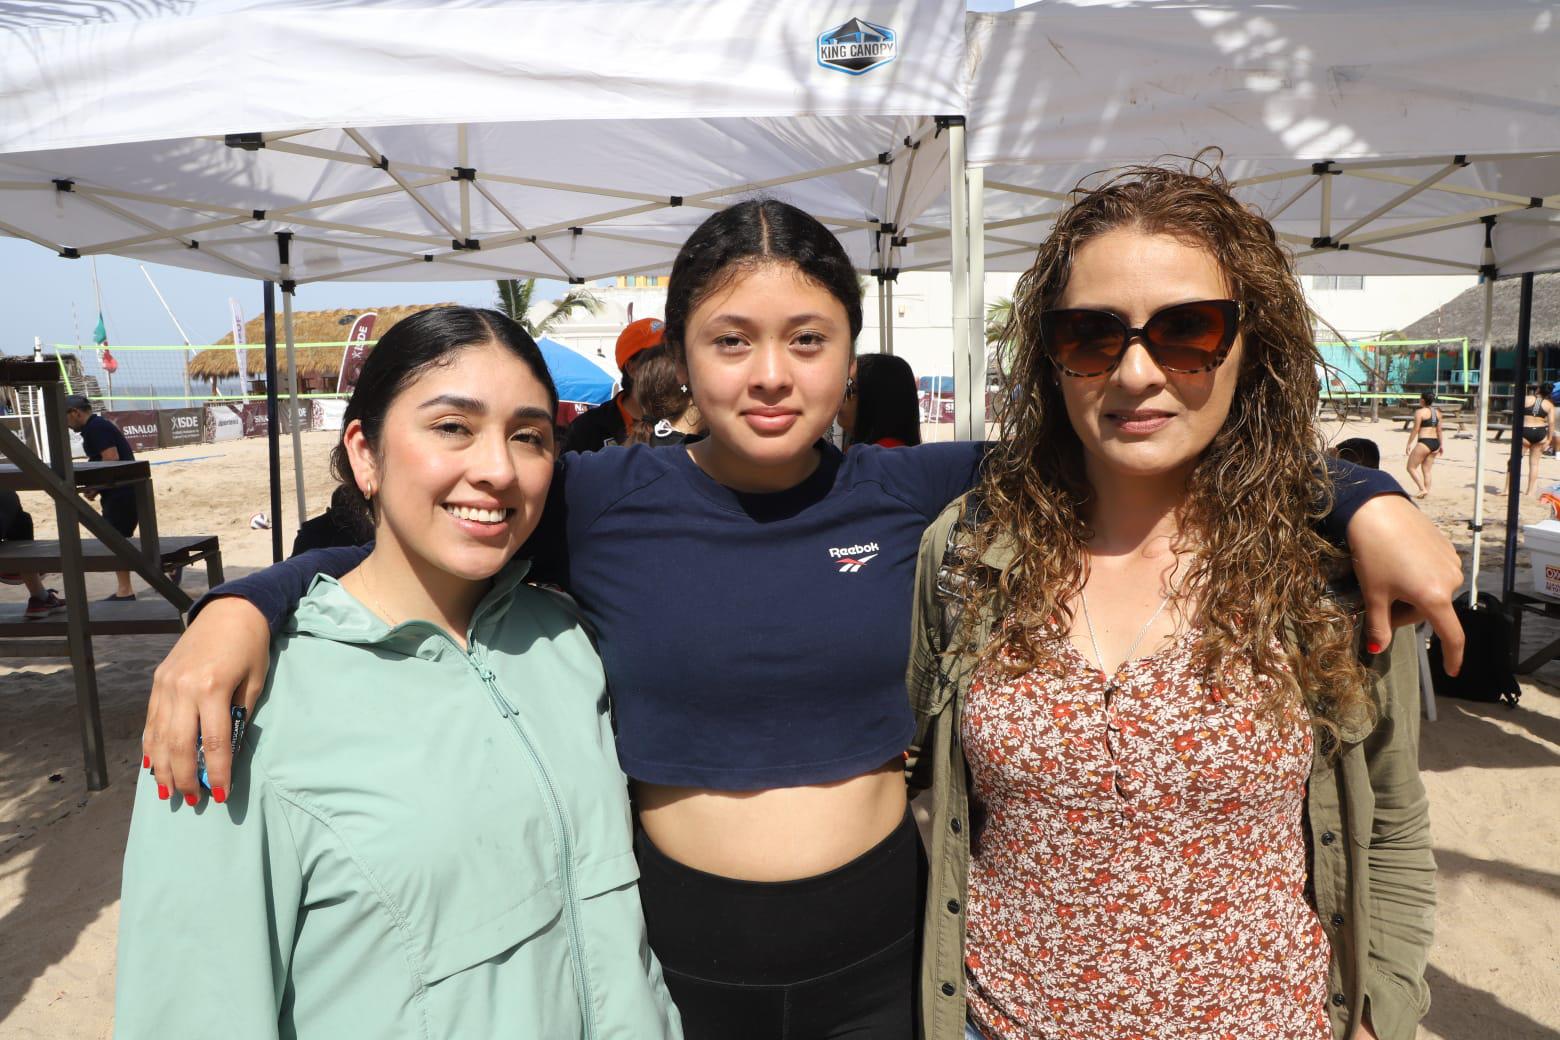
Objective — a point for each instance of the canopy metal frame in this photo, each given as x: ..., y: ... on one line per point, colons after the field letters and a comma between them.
x: 457, y: 250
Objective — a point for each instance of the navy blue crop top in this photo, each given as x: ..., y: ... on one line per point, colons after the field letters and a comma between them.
x: 751, y: 641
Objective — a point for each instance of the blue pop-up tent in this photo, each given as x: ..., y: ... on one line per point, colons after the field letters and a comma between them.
x: 577, y: 377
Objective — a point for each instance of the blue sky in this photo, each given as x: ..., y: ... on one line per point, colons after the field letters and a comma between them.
x: 39, y: 289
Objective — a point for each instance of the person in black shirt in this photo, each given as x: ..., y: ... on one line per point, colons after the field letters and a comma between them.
x: 334, y: 527
x: 104, y: 443
x: 608, y: 423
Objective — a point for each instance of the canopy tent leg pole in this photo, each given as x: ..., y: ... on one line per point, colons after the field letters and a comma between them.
x: 959, y: 261
x: 975, y: 181
x: 272, y: 430
x: 294, y: 423
x: 1508, y: 577
x: 1481, y: 434
x: 882, y: 316
x: 886, y: 289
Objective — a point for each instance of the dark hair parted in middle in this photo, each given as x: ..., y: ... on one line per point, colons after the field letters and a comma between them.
x: 748, y: 235
x: 413, y: 345
x: 888, y: 402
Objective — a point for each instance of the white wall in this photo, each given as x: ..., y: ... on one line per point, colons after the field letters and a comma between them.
x: 1385, y: 304
x: 595, y: 335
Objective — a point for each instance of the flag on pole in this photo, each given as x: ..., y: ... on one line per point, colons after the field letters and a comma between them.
x: 100, y: 337
x: 240, y: 355
x: 356, y: 352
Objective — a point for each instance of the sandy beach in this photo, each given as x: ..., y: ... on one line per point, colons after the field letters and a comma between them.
x: 1492, y: 774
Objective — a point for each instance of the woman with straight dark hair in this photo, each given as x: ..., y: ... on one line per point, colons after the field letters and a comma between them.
x: 763, y: 724
x: 421, y: 846
x: 882, y: 403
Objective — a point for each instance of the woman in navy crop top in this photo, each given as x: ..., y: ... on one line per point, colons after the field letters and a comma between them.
x: 763, y: 716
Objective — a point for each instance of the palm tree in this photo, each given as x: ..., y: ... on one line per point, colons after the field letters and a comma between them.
x: 514, y: 299
x: 998, y: 313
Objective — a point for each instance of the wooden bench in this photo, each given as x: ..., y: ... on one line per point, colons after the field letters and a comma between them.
x: 48, y: 637
x: 70, y: 633
x: 44, y: 556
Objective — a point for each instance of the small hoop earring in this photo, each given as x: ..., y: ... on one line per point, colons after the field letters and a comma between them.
x: 850, y: 387
x: 368, y: 493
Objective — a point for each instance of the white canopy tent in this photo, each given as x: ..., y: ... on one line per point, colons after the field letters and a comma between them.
x: 297, y: 141
x: 1390, y: 137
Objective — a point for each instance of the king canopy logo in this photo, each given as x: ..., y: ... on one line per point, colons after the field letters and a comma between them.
x: 857, y: 46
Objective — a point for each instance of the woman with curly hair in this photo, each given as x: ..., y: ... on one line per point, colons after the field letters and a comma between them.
x: 1194, y: 808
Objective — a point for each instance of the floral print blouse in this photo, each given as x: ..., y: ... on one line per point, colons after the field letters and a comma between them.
x: 1141, y: 870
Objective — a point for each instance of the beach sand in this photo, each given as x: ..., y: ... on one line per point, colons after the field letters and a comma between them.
x: 1493, y: 775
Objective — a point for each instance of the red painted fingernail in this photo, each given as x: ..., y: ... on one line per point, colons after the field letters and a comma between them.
x: 190, y: 799
x: 146, y: 761
x: 218, y: 795
x: 162, y: 791
x: 1373, y: 646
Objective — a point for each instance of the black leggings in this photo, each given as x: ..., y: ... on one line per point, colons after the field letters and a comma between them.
x: 832, y: 957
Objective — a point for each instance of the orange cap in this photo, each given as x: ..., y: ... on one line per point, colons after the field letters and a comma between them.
x: 639, y: 335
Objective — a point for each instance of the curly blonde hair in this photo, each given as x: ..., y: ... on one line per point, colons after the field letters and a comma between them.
x: 1258, y: 565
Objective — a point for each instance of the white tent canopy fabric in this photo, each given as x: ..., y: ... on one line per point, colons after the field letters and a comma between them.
x: 298, y: 141
x: 1381, y: 132
x: 1400, y: 136
x: 569, y: 139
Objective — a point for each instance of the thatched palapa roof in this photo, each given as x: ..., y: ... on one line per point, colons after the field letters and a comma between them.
x: 308, y: 327
x: 1463, y: 315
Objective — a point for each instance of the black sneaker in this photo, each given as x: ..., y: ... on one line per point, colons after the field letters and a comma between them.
x: 40, y: 607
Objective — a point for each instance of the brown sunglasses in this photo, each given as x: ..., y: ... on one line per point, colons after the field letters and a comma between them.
x: 1184, y: 337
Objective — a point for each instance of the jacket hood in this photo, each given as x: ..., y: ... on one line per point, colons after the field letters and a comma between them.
x: 329, y: 611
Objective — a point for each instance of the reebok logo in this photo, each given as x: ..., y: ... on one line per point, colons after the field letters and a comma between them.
x: 852, y: 558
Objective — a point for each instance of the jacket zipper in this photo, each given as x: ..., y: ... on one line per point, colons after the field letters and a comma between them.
x: 566, y: 854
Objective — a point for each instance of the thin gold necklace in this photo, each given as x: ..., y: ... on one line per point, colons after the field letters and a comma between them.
x: 1110, y: 677
x: 379, y: 605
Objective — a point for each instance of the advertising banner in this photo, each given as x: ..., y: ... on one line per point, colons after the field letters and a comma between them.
x: 936, y: 406
x: 223, y: 422
x: 176, y: 426
x: 239, y: 353
x: 328, y: 414
x: 357, y: 352
x: 305, y: 416
x: 139, y: 428
x: 256, y: 422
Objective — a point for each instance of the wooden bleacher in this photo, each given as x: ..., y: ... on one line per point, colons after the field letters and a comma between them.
x: 71, y: 556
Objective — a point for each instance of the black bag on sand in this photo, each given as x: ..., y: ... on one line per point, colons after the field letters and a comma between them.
x: 1487, y: 667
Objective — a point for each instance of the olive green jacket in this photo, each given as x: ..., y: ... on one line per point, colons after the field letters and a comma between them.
x: 1370, y: 862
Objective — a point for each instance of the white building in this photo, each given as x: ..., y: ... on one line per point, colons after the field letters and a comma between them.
x: 595, y: 335
x: 1366, y: 306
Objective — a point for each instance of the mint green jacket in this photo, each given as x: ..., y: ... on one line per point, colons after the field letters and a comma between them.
x: 421, y: 842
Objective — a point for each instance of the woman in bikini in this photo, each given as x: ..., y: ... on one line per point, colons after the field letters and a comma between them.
x: 1424, y: 442
x: 1538, y: 429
